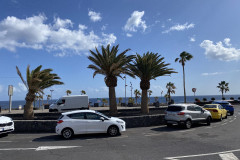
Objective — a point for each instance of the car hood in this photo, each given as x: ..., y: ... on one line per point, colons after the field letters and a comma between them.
x: 5, y: 119
x: 116, y: 119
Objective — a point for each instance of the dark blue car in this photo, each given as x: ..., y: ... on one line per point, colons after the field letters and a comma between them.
x: 226, y: 105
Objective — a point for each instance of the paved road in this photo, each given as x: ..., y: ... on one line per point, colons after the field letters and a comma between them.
x: 220, y: 141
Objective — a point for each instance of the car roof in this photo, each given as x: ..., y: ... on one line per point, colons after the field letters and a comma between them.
x: 183, y: 104
x: 212, y: 104
x: 78, y: 111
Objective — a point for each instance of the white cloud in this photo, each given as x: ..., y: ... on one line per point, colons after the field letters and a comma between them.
x: 94, y: 16
x: 169, y: 19
x: 219, y: 51
x: 22, y: 86
x: 135, y: 22
x: 179, y: 27
x: 60, y: 23
x: 192, y: 39
x: 211, y: 74
x: 104, y: 27
x: 129, y: 35
x: 227, y: 42
x: 34, y: 33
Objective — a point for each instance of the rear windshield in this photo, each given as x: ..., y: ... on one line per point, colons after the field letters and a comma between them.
x: 60, y: 117
x: 210, y: 106
x: 175, y: 108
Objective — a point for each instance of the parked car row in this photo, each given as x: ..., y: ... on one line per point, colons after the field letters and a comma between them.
x: 187, y: 114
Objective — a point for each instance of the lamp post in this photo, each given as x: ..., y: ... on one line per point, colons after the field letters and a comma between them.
x: 51, y: 93
x: 125, y: 90
x: 131, y: 88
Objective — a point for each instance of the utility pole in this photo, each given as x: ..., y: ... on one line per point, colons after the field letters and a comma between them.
x: 10, y: 93
x: 51, y: 93
x: 131, y: 88
x: 125, y: 90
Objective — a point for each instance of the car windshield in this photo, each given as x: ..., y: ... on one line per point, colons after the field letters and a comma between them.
x: 175, y: 108
x: 102, y: 115
x: 210, y: 106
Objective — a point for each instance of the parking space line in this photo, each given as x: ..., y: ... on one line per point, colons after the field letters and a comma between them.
x: 5, y: 141
x: 223, y: 124
x: 201, y: 155
x: 228, y: 156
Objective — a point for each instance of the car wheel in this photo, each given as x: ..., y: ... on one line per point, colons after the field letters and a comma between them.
x: 221, y: 118
x: 231, y: 113
x: 169, y: 124
x: 67, y: 133
x: 208, y: 121
x: 113, y: 131
x: 188, y: 124
x: 226, y: 116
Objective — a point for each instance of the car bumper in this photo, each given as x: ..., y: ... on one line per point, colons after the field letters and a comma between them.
x: 6, y: 129
x: 175, y: 122
x: 216, y: 115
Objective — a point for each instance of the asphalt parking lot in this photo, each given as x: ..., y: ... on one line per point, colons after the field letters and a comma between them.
x: 219, y: 141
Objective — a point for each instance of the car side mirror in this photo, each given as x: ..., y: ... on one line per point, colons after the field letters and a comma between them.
x: 203, y: 110
x: 102, y: 119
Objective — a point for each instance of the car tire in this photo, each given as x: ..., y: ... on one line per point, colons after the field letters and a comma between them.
x: 113, y: 131
x: 208, y: 121
x: 221, y: 118
x: 169, y: 125
x: 231, y: 113
x: 188, y: 124
x: 67, y: 133
x: 226, y: 116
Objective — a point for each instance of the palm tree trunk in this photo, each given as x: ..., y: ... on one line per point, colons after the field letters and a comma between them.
x: 222, y: 94
x: 185, y: 100
x: 28, y: 108
x: 112, y: 101
x: 144, y: 102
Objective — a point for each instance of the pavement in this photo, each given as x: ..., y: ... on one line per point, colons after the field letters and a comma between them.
x: 16, y: 111
x: 220, y: 141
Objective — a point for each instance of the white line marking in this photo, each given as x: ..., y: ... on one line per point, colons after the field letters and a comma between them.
x: 208, y: 127
x: 200, y: 155
x: 187, y: 130
x: 40, y: 148
x: 223, y: 124
x: 228, y: 156
x: 5, y: 141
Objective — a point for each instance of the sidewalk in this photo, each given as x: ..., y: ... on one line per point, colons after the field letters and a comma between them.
x: 92, y: 108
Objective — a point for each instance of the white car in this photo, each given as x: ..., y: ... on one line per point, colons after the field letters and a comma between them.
x: 6, y: 125
x: 88, y: 121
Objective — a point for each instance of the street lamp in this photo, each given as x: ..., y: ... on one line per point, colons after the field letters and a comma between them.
x: 51, y: 93
x: 131, y: 88
x: 125, y: 90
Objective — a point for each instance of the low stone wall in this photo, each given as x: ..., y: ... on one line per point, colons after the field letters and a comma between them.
x: 48, y: 126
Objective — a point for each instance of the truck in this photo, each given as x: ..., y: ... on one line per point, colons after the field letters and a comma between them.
x: 72, y: 102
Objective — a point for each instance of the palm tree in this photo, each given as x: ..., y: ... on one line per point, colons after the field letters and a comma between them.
x: 68, y: 92
x: 166, y: 97
x: 111, y: 65
x: 40, y: 98
x: 83, y: 92
x: 48, y: 97
x: 149, y: 94
x: 120, y: 100
x: 170, y: 89
x: 137, y: 94
x: 36, y: 81
x: 104, y: 100
x: 147, y: 67
x: 184, y: 57
x: 223, y: 86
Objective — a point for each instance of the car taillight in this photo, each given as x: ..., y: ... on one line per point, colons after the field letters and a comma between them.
x: 59, y: 121
x: 181, y: 113
x: 215, y: 110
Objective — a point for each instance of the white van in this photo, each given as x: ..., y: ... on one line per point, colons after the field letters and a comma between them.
x: 73, y: 102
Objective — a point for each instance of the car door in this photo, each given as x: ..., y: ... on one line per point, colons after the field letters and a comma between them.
x: 199, y: 114
x: 95, y: 124
x: 222, y: 110
x: 78, y: 123
x: 192, y: 112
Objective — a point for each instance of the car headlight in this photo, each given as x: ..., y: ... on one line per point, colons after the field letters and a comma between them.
x: 120, y: 122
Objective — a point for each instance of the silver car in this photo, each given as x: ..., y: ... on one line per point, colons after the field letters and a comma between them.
x: 186, y: 115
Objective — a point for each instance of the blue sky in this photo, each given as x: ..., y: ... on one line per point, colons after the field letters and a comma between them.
x: 58, y: 34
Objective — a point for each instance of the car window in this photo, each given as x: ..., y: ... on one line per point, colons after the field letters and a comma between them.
x: 191, y: 108
x: 198, y: 108
x: 93, y: 116
x: 77, y: 116
x: 209, y: 106
x: 175, y: 108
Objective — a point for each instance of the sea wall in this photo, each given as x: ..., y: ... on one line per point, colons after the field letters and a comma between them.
x: 48, y: 126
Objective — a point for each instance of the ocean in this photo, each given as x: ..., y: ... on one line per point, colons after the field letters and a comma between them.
x: 177, y: 99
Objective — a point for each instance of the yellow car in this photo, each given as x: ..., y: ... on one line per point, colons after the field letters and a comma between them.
x: 217, y: 111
